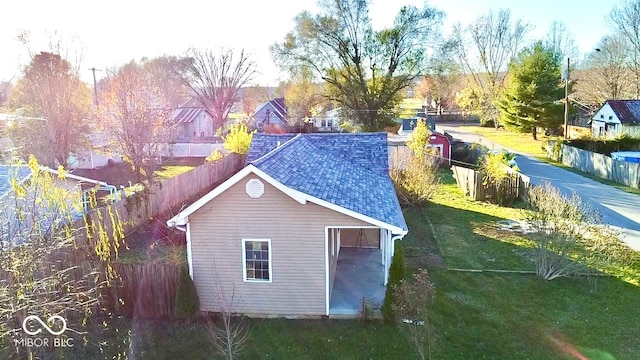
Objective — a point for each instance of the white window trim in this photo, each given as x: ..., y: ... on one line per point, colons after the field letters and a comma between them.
x: 244, y: 262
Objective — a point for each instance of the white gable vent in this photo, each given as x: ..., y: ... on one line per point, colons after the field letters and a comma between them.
x: 254, y: 188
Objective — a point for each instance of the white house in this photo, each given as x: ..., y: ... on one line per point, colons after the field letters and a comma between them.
x: 328, y: 121
x: 616, y: 116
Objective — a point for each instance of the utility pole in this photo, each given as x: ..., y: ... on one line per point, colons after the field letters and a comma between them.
x: 566, y: 102
x: 95, y: 86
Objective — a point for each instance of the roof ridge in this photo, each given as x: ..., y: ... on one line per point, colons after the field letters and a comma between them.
x: 276, y: 150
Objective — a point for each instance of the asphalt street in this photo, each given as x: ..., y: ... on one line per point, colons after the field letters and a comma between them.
x: 619, y: 209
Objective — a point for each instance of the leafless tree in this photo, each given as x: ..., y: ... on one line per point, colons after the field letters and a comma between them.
x: 484, y: 49
x: 168, y: 73
x: 51, y: 89
x: 136, y: 117
x: 561, y: 42
x: 413, y: 300
x: 607, y: 74
x: 625, y: 20
x: 215, y: 79
x: 230, y: 332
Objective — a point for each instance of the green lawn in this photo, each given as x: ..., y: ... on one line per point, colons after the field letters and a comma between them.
x: 476, y: 315
x: 515, y: 141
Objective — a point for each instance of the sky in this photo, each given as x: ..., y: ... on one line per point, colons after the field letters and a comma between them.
x: 108, y: 34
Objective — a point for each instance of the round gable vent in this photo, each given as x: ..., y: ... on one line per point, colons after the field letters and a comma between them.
x: 254, y: 188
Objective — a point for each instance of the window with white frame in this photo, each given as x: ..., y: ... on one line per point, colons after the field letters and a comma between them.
x: 256, y: 259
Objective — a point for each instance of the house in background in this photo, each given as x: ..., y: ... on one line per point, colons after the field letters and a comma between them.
x: 193, y: 123
x: 271, y: 113
x: 615, y: 117
x: 306, y: 228
x: 328, y: 121
x: 407, y: 125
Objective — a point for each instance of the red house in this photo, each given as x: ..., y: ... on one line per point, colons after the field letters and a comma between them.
x: 441, y: 144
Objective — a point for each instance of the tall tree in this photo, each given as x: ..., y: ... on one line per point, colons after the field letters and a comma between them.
x: 534, y: 86
x: 302, y: 95
x: 625, y: 19
x: 561, y: 42
x: 484, y: 49
x: 439, y: 86
x: 168, y: 73
x: 51, y: 89
x: 365, y: 70
x: 608, y: 76
x: 136, y: 117
x: 215, y: 78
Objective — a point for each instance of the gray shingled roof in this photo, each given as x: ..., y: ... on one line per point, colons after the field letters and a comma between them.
x: 348, y: 170
x: 7, y: 172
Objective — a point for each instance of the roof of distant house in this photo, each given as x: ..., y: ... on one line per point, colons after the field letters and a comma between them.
x: 188, y: 114
x: 627, y: 111
x: 347, y: 170
x: 278, y: 105
x: 8, y: 172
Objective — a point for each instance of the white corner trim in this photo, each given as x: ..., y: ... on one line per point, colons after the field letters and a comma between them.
x: 326, y: 270
x: 189, y: 252
x: 244, y: 262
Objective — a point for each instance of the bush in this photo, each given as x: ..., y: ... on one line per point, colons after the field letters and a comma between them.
x: 187, y: 304
x: 419, y: 139
x: 496, y: 174
x: 568, y: 239
x: 412, y: 302
x: 622, y: 142
x: 238, y: 140
x: 418, y: 182
x: 397, y: 273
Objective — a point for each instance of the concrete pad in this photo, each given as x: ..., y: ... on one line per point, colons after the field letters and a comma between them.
x: 359, y: 274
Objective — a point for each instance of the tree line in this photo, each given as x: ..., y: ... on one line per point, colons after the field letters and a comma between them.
x: 334, y: 58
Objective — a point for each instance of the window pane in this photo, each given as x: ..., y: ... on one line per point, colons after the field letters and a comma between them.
x: 257, y: 260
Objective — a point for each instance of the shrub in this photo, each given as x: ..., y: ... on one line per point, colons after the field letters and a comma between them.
x: 419, y: 139
x: 238, y: 140
x: 412, y: 301
x: 496, y: 174
x: 606, y: 146
x: 397, y: 272
x: 567, y: 238
x: 418, y: 182
x: 215, y: 156
x: 186, y: 304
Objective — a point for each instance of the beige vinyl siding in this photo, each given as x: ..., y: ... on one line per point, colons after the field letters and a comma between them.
x: 297, y: 234
x: 349, y: 238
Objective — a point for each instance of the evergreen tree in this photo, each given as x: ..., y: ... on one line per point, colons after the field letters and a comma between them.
x: 534, y: 88
x: 397, y: 272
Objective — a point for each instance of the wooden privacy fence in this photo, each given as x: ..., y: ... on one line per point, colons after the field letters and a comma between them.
x: 143, y: 290
x: 472, y: 183
x: 173, y: 193
x: 603, y: 166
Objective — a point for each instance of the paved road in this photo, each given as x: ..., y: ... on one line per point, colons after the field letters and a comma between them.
x: 618, y: 208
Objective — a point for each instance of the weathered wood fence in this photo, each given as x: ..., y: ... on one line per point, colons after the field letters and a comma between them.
x: 148, y: 290
x: 472, y: 183
x: 603, y: 166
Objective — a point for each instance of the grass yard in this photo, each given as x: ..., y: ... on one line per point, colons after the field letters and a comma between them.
x: 512, y: 140
x: 476, y: 315
x: 122, y: 174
